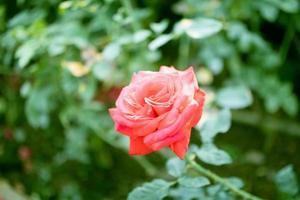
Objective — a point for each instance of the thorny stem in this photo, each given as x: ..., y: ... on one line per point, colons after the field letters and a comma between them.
x: 216, y: 178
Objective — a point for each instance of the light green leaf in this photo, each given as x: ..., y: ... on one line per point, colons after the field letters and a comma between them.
x: 159, y: 27
x: 187, y: 193
x: 111, y: 51
x: 290, y: 6
x: 159, y: 41
x: 102, y: 70
x: 200, y: 28
x: 155, y: 190
x: 286, y: 180
x: 234, y: 97
x: 141, y: 36
x: 237, y: 182
x: 7, y: 192
x: 26, y: 52
x: 175, y: 167
x: 210, y: 154
x: 216, y: 122
x: 193, y: 181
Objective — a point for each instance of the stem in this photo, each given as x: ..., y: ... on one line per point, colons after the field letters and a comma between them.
x: 284, y: 49
x: 220, y: 180
x: 129, y: 10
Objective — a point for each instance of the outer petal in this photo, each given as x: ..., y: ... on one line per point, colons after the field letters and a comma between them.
x: 200, y: 98
x: 123, y: 129
x: 137, y: 146
x: 180, y: 147
x: 167, y: 69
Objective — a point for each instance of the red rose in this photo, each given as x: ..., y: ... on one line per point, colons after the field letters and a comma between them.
x: 158, y: 109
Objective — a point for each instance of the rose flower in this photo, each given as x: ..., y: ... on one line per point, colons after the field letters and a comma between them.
x: 158, y: 109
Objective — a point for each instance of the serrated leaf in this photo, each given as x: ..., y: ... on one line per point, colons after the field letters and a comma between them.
x: 234, y: 97
x: 286, y: 180
x: 155, y: 190
x: 175, y: 167
x: 193, y: 181
x: 216, y: 122
x: 210, y: 154
x: 159, y: 41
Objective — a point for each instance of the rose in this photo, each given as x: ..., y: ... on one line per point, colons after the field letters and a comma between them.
x: 158, y: 109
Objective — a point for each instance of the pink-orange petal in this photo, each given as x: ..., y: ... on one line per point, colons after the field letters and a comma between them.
x: 137, y: 146
x: 180, y: 147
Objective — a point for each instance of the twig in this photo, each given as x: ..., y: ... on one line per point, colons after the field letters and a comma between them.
x: 220, y: 180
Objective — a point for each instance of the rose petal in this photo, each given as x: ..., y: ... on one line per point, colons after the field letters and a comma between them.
x: 161, y: 134
x: 200, y: 98
x: 167, y: 69
x: 123, y: 129
x: 137, y: 147
x: 148, y: 128
x: 118, y: 117
x: 180, y: 147
x: 167, y: 141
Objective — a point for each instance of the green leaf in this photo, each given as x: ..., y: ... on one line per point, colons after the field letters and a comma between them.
x: 155, y: 190
x: 286, y: 180
x: 111, y: 51
x: 217, y: 122
x: 175, y: 167
x: 159, y: 27
x: 234, y: 97
x: 210, y: 154
x: 187, y: 193
x: 290, y: 6
x: 141, y: 36
x: 237, y: 182
x: 26, y: 52
x: 203, y: 27
x: 193, y: 181
x: 159, y: 41
x: 102, y: 70
x: 7, y: 192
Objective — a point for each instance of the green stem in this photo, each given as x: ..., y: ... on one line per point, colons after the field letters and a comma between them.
x: 220, y: 180
x: 288, y: 37
x: 129, y: 10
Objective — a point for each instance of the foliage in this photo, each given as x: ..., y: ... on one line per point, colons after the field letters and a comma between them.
x: 62, y: 64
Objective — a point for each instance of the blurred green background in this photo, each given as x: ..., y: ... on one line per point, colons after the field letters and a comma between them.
x: 63, y: 64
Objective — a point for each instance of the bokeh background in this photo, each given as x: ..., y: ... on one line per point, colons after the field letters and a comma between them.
x: 63, y: 64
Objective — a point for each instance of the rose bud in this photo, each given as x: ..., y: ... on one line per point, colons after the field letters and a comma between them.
x: 158, y: 109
